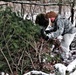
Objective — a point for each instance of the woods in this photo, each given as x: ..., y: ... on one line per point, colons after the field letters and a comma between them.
x: 22, y: 48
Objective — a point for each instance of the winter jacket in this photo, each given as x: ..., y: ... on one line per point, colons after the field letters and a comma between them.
x: 62, y: 26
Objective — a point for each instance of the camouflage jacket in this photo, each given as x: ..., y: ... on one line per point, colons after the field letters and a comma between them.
x: 62, y: 26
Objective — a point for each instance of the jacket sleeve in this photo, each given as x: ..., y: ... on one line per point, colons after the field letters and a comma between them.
x: 59, y: 30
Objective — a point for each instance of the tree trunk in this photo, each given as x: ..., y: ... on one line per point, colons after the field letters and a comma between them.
x: 72, y: 11
x: 60, y: 6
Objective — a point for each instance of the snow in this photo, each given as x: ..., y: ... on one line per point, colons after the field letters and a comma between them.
x: 60, y: 69
x: 3, y: 73
x: 71, y: 66
x: 30, y: 17
x: 36, y: 72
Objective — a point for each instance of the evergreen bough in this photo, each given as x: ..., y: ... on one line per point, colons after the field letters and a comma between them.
x: 16, y: 40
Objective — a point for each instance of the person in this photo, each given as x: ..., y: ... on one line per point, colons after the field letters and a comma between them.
x: 42, y: 21
x: 60, y: 26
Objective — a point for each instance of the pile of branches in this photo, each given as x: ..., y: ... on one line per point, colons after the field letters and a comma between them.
x: 21, y: 47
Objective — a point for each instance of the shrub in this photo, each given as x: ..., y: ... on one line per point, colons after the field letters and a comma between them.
x: 16, y: 40
x: 21, y: 47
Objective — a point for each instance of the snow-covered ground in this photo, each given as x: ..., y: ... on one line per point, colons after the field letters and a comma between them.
x: 3, y: 73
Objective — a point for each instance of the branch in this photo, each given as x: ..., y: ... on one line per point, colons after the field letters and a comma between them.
x: 6, y: 61
x: 20, y: 58
x: 30, y: 58
x: 8, y: 47
x: 40, y: 51
x: 35, y: 48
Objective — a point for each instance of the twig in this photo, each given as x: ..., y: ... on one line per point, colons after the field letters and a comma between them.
x: 40, y: 51
x: 22, y: 67
x: 7, y: 61
x: 30, y: 59
x: 7, y: 46
x: 35, y: 48
x: 20, y: 58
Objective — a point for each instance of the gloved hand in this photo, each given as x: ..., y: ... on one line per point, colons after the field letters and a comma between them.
x: 47, y: 31
x: 44, y: 35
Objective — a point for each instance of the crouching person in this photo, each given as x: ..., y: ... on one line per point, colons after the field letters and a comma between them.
x: 60, y: 26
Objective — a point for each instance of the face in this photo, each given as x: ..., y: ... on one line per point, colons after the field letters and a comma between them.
x: 52, y: 19
x: 44, y: 22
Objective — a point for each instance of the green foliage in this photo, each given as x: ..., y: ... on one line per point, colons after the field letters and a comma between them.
x: 16, y: 35
x: 21, y: 48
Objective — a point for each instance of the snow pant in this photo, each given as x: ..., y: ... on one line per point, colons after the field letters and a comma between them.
x: 65, y: 44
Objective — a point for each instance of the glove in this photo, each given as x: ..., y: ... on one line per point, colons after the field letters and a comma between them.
x: 51, y: 36
x: 47, y: 31
x: 44, y: 35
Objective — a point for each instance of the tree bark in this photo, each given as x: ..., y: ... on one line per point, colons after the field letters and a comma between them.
x: 60, y: 6
x: 72, y: 11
